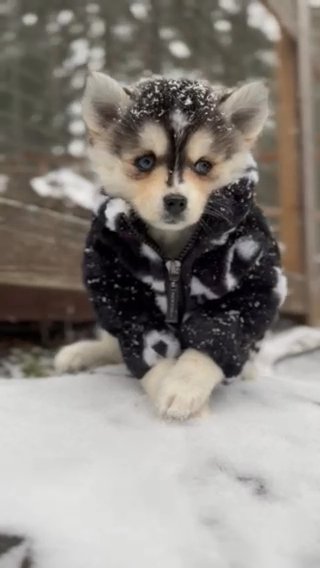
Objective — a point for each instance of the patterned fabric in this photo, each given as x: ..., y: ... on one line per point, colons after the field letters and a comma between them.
x: 219, y: 296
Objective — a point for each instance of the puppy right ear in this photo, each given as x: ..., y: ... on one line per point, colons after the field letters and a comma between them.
x: 247, y: 108
x: 103, y: 101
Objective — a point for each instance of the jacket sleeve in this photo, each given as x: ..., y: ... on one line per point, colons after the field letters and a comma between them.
x: 126, y: 308
x: 228, y: 328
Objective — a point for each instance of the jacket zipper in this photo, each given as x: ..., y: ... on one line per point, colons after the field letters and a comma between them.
x: 173, y: 267
x: 173, y: 296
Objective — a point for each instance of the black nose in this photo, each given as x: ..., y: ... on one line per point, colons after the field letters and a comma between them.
x: 174, y: 203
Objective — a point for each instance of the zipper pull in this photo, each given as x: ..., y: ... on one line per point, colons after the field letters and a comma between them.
x: 174, y: 269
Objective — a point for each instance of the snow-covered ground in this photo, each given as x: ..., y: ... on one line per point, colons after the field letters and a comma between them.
x: 66, y: 184
x: 92, y: 478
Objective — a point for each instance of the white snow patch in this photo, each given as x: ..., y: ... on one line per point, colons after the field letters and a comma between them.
x: 252, y: 175
x: 79, y: 53
x: 267, y: 57
x: 115, y: 207
x: 199, y: 289
x: 96, y: 58
x: 52, y: 28
x: 149, y: 253
x: 97, y: 28
x: 122, y: 31
x: 222, y: 239
x: 167, y: 33
x: 64, y: 183
x: 281, y: 288
x: 157, y: 285
x: 92, y: 8
x: 230, y: 281
x: 294, y: 341
x: 57, y: 150
x: 246, y: 247
x: 162, y: 303
x: 78, y: 79
x: 150, y: 356
x: 76, y: 127
x: 75, y: 108
x: 65, y: 17
x: 4, y: 181
x: 93, y: 477
x: 222, y: 25
x: 179, y: 49
x: 29, y: 19
x: 261, y: 18
x: 77, y: 148
x: 139, y: 10
x: 231, y: 6
x: 178, y: 120
x: 251, y: 168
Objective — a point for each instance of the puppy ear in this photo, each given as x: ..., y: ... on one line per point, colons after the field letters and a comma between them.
x: 247, y: 108
x: 103, y: 101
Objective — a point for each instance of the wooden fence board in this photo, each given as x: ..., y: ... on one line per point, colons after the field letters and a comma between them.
x: 289, y: 173
x: 40, y: 247
x: 29, y: 304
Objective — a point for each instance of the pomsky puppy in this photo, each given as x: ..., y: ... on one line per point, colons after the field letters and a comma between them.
x: 180, y: 265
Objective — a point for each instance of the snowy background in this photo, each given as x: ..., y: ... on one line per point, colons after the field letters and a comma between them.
x: 90, y: 476
x: 47, y: 49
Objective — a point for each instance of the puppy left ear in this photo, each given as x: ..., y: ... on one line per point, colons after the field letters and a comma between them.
x: 247, y: 108
x: 103, y: 101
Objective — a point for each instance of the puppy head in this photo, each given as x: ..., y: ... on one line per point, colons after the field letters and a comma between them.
x: 166, y: 145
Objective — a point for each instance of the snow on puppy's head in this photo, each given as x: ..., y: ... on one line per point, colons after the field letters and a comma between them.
x: 165, y: 145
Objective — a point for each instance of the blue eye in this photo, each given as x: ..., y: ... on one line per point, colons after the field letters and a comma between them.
x: 145, y: 163
x: 202, y: 167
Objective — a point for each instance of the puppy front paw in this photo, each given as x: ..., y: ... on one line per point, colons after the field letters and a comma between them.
x: 187, y: 386
x: 181, y: 397
x: 72, y: 358
x: 154, y: 378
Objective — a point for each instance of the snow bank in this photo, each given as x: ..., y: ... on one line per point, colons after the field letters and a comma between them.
x: 91, y: 477
x: 4, y: 181
x: 66, y: 184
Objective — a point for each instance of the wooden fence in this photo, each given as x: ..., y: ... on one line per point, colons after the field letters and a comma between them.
x: 41, y: 240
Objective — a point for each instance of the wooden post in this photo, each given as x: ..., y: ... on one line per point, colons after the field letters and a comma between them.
x: 289, y: 171
x: 288, y: 176
x: 295, y: 125
x: 306, y: 108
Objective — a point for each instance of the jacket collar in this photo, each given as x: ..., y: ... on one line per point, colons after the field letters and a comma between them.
x: 225, y: 210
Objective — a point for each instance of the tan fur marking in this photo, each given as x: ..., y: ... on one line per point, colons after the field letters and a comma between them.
x: 201, y: 184
x: 149, y: 192
x: 199, y: 145
x: 153, y: 139
x: 202, y: 145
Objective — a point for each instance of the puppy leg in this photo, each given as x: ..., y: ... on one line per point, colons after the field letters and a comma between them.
x: 153, y: 379
x: 187, y: 386
x: 87, y: 354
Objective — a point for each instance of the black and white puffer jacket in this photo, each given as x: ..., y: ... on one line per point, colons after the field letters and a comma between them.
x: 219, y: 296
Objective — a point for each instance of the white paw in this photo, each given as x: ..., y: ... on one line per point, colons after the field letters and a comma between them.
x: 72, y: 358
x: 181, y: 397
x: 87, y: 354
x: 154, y: 378
x: 187, y: 386
x: 257, y: 367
